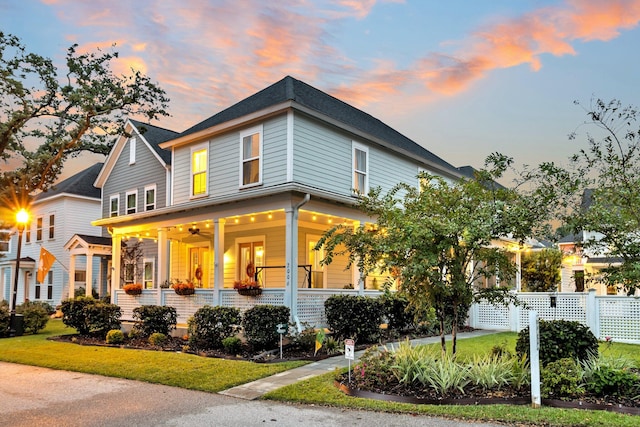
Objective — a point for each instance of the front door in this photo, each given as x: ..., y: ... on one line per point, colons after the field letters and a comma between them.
x: 198, y: 266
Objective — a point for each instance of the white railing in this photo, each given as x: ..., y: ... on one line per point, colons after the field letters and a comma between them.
x: 615, y: 317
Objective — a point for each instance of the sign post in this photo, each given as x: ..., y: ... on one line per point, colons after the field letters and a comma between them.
x: 534, y: 359
x: 281, y: 328
x: 349, y: 353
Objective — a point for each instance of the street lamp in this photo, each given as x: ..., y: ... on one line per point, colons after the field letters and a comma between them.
x: 22, y: 218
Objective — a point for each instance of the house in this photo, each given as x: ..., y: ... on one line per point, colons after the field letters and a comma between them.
x: 249, y: 191
x: 56, y: 215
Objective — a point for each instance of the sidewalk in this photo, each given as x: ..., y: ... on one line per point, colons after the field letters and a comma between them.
x: 256, y: 389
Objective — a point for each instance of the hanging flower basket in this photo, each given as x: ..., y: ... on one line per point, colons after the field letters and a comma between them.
x: 132, y: 289
x: 250, y: 292
x: 184, y: 288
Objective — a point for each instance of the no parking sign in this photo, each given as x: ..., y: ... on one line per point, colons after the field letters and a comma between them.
x: 349, y: 349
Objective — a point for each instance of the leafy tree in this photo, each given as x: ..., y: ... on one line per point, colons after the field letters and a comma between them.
x: 439, y: 239
x: 541, y: 270
x: 599, y: 190
x: 64, y: 112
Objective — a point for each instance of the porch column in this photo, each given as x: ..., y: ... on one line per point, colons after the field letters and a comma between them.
x: 291, y: 261
x: 218, y: 259
x: 115, y: 265
x: 72, y: 275
x: 89, y: 275
x: 163, y: 262
x: 356, y: 274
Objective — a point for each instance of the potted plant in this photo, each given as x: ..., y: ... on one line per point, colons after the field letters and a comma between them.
x: 132, y: 289
x: 247, y: 287
x: 184, y: 288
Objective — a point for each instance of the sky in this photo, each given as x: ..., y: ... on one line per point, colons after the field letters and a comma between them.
x: 463, y: 78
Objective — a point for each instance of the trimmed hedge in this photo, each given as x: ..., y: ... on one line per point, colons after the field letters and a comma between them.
x: 260, y: 325
x: 89, y: 316
x: 151, y: 319
x: 209, y: 326
x: 354, y: 317
x: 560, y: 339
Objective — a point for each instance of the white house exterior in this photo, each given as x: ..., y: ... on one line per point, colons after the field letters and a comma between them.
x: 55, y: 216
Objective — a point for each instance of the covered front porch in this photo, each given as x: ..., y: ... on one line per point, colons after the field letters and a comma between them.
x: 270, y: 240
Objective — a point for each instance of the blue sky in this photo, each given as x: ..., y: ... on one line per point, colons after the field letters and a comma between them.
x: 464, y: 78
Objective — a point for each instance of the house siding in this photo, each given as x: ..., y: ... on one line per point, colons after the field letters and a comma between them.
x: 124, y: 177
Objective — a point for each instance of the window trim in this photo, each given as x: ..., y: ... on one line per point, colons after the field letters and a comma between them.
x: 126, y: 198
x: 132, y: 150
x: 360, y: 147
x: 39, y: 227
x: 117, y: 211
x: 52, y: 226
x: 8, y: 241
x: 155, y: 197
x: 243, y: 134
x: 195, y: 149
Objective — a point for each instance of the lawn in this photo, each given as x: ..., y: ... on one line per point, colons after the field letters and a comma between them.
x: 168, y: 368
x: 321, y: 391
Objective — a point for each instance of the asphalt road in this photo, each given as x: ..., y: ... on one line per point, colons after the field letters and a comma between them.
x: 33, y: 396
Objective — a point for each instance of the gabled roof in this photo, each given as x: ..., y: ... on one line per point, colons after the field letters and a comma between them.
x: 302, y: 94
x: 150, y: 135
x: 154, y: 135
x: 80, y: 184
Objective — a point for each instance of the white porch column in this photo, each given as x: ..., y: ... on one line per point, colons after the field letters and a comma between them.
x: 163, y: 262
x: 115, y: 265
x: 356, y: 275
x: 72, y: 275
x: 291, y: 257
x: 218, y: 259
x: 89, y: 275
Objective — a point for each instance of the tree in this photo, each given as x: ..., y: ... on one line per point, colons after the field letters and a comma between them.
x: 63, y: 113
x: 600, y: 190
x: 439, y: 239
x: 541, y: 270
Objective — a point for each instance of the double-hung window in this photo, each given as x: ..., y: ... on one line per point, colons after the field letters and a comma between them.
x: 39, y: 229
x: 199, y: 167
x: 360, y: 168
x: 251, y: 157
x: 5, y: 238
x: 132, y: 201
x: 52, y: 226
x: 114, y: 203
x: 149, y: 198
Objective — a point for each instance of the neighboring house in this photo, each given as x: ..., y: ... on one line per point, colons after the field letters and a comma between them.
x: 56, y: 215
x: 251, y: 190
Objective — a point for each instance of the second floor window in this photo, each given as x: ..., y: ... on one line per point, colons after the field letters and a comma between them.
x: 52, y: 226
x: 38, y: 229
x: 132, y: 202
x: 114, y: 203
x: 251, y: 159
x: 199, y: 163
x: 27, y: 232
x: 150, y: 198
x: 360, y: 169
x: 5, y: 238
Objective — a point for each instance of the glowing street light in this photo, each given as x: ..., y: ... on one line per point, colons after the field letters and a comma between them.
x: 22, y: 218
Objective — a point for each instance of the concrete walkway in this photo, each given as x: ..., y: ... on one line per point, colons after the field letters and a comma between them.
x: 256, y: 389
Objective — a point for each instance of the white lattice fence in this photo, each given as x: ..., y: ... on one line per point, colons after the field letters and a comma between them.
x: 129, y: 302
x: 619, y: 318
x: 187, y: 305
x: 231, y: 298
x: 568, y: 306
x: 487, y: 316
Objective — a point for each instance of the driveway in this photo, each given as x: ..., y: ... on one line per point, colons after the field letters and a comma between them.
x: 33, y: 396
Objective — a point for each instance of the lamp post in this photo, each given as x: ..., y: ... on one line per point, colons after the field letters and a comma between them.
x: 22, y: 218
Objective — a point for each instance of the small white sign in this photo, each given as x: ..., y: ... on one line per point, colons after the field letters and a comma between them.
x: 281, y: 328
x: 349, y: 349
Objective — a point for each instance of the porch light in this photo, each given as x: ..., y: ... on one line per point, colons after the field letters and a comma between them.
x: 22, y: 218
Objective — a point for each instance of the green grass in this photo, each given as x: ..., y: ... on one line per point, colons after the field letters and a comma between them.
x: 321, y: 391
x: 169, y: 368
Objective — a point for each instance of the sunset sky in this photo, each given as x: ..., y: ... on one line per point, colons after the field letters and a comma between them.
x: 464, y: 78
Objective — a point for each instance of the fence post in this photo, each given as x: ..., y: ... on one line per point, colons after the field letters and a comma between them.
x: 592, y: 313
x: 514, y: 317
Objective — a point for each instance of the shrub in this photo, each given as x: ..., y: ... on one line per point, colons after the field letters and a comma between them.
x: 305, y: 340
x: 209, y: 326
x: 36, y: 315
x: 5, y: 321
x: 89, y: 316
x: 158, y: 339
x: 397, y: 311
x: 611, y: 376
x: 560, y: 339
x: 491, y: 372
x: 115, y: 336
x: 232, y: 345
x: 150, y: 319
x: 260, y: 325
x: 561, y: 379
x: 354, y: 317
